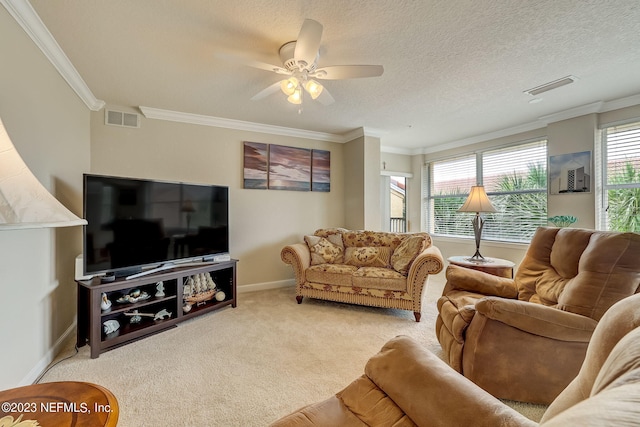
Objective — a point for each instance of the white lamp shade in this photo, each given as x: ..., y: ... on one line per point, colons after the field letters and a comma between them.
x: 477, y: 201
x: 24, y: 202
x: 313, y: 88
x: 289, y: 86
x: 296, y: 97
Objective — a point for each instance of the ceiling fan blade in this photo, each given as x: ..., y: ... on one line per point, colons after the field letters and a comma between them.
x: 339, y: 72
x: 266, y: 92
x: 308, y: 42
x: 241, y: 59
x: 325, y: 97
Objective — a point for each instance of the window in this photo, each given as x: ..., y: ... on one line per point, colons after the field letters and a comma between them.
x: 619, y: 175
x: 515, y: 179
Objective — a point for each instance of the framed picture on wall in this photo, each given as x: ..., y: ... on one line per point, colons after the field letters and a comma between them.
x: 256, y: 165
x: 570, y: 173
x: 320, y: 170
x: 289, y: 168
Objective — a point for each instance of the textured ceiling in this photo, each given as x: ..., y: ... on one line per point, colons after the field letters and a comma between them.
x: 454, y: 69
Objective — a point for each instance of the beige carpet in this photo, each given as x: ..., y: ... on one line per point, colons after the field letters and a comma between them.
x: 250, y: 365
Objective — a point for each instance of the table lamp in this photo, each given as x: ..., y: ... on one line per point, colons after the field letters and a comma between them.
x: 477, y: 202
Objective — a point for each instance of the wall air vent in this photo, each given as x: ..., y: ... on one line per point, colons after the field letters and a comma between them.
x: 551, y: 85
x: 119, y: 118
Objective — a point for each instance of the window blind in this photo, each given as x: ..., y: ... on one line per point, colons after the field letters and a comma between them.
x: 451, y: 181
x: 515, y: 179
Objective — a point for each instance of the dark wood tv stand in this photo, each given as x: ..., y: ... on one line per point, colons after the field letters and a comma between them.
x: 91, y: 317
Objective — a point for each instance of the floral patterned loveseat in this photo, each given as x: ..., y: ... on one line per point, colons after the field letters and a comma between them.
x: 371, y: 268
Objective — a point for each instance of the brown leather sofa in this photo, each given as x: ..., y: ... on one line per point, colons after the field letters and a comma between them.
x: 525, y: 338
x: 406, y: 385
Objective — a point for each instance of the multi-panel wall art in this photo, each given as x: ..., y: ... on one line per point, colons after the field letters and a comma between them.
x: 278, y: 167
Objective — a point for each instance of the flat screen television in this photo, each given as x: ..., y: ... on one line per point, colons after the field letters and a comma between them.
x: 137, y: 224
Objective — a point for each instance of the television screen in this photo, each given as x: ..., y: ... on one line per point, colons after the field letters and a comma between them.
x: 136, y: 223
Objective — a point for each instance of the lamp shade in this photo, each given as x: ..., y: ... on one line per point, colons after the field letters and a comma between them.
x: 24, y: 202
x: 313, y: 88
x: 477, y: 201
x: 289, y: 86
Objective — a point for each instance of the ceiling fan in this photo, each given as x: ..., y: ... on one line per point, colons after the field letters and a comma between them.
x: 300, y: 64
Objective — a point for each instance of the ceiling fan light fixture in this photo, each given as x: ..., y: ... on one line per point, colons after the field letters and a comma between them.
x: 289, y: 86
x: 296, y: 96
x: 313, y: 88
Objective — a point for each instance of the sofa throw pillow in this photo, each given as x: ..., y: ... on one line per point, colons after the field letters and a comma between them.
x: 368, y: 256
x: 325, y: 250
x: 404, y: 254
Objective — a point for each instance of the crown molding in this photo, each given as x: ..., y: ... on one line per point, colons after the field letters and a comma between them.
x: 399, y: 150
x: 482, y: 138
x: 617, y: 104
x: 26, y: 16
x: 197, y: 119
x: 583, y: 110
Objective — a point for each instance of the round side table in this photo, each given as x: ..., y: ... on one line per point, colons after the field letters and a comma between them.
x: 64, y: 403
x: 495, y: 266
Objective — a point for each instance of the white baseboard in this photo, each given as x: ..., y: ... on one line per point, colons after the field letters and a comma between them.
x: 266, y: 285
x: 43, y: 364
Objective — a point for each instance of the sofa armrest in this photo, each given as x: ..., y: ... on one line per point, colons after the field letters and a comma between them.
x: 538, y: 319
x: 431, y: 393
x: 429, y: 261
x: 299, y: 257
x: 466, y: 279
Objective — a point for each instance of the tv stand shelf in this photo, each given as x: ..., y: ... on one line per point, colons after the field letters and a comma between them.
x: 157, y: 313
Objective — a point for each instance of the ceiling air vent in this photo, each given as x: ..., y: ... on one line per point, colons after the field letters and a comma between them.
x: 119, y: 118
x: 551, y: 85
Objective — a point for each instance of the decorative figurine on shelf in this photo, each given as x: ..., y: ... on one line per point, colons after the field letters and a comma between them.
x: 162, y: 314
x: 562, y: 220
x: 159, y: 289
x: 110, y: 326
x: 220, y: 296
x: 198, y: 289
x: 186, y: 307
x: 134, y: 296
x: 135, y: 318
x: 105, y: 304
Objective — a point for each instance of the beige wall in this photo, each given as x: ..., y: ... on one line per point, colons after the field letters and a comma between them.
x: 49, y: 126
x: 372, y: 215
x: 354, y: 196
x: 392, y: 162
x: 574, y: 136
x: 262, y: 221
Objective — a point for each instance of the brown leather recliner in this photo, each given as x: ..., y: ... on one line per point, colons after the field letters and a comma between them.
x: 525, y: 338
x: 406, y: 385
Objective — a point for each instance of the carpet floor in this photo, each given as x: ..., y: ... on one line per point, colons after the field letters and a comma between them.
x: 249, y: 365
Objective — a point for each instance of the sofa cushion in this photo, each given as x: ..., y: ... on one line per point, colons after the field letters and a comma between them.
x: 331, y: 274
x: 368, y: 256
x: 404, y: 254
x: 379, y: 278
x: 325, y: 249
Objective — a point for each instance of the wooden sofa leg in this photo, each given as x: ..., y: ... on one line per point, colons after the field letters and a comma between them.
x: 417, y: 316
x: 299, y: 299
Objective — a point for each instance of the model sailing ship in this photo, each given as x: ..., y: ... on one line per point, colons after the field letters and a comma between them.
x: 198, y: 289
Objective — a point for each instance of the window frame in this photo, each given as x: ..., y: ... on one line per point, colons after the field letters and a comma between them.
x: 602, y: 177
x: 428, y: 197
